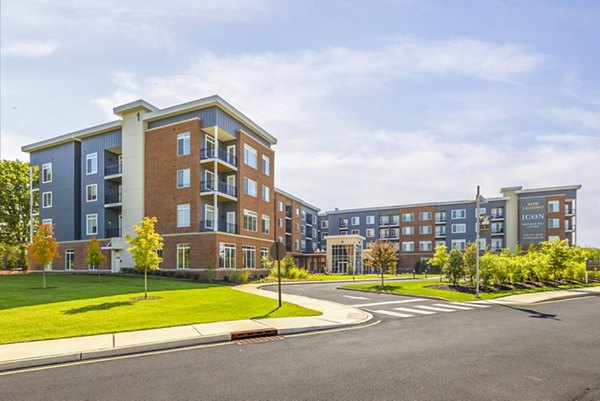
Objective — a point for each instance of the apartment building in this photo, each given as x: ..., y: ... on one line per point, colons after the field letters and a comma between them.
x: 519, y: 216
x: 204, y: 169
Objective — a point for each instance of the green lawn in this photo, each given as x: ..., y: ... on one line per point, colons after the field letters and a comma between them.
x: 77, y: 305
x: 421, y: 288
x: 342, y: 277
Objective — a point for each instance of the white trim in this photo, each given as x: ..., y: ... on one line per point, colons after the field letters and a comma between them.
x: 182, y: 137
x: 183, y: 170
x: 44, y: 205
x: 50, y: 169
x: 182, y: 208
x: 87, y: 193
x: 250, y: 150
x: 88, y: 217
x: 183, y: 246
x: 88, y: 157
x: 262, y: 166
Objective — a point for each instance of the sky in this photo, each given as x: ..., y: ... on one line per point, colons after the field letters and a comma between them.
x: 373, y: 103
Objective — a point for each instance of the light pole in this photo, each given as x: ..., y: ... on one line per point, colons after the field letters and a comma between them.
x: 478, y: 201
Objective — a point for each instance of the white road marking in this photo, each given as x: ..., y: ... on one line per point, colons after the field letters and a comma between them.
x: 390, y: 302
x: 481, y: 304
x: 434, y: 308
x: 396, y: 314
x: 421, y: 312
x: 351, y: 297
x: 470, y: 304
x: 453, y: 306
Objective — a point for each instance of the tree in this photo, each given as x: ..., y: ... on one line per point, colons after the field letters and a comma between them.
x: 95, y: 257
x: 44, y: 248
x: 382, y: 256
x: 454, y: 269
x: 144, y: 248
x: 439, y: 258
x: 470, y: 261
x: 558, y: 255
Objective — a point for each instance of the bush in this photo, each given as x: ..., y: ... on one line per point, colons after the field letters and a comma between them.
x: 13, y: 256
x: 238, y: 277
x: 454, y: 268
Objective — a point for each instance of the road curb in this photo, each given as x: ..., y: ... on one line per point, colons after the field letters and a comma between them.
x: 559, y: 298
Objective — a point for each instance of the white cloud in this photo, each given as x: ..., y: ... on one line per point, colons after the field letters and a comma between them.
x: 584, y: 118
x: 28, y: 49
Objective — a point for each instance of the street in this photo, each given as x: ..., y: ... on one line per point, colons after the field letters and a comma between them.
x: 550, y: 351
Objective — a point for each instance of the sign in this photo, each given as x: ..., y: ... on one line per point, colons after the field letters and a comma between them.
x: 592, y: 265
x: 277, y: 250
x: 532, y: 220
x: 484, y: 225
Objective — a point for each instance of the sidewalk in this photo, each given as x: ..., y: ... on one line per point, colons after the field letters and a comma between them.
x: 37, y: 353
x: 537, y: 297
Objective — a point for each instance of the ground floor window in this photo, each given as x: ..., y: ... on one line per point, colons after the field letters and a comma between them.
x: 340, y: 257
x: 249, y: 257
x: 226, y: 256
x: 69, y: 259
x: 183, y: 256
x: 264, y: 257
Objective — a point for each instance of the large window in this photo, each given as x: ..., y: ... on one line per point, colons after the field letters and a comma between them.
x: 553, y: 223
x: 250, y: 220
x: 553, y: 206
x: 47, y: 222
x: 183, y: 215
x: 425, y: 246
x: 69, y: 259
x: 183, y: 144
x: 459, y: 228
x: 250, y: 156
x: 183, y: 256
x: 91, y: 163
x: 370, y: 219
x: 264, y: 258
x: 384, y: 220
x: 408, y: 216
x: 459, y: 244
x: 425, y: 230
x: 91, y: 224
x: 497, y: 244
x: 266, y: 224
x: 266, y: 165
x: 394, y: 233
x: 459, y: 214
x: 46, y: 199
x: 249, y: 187
x: 324, y: 224
x: 408, y: 230
x: 248, y: 257
x: 47, y: 172
x: 266, y: 193
x: 226, y: 256
x: 440, y: 217
x: 370, y: 232
x: 355, y: 221
x: 183, y: 178
x: 424, y: 216
x: 343, y: 223
x: 209, y: 216
x: 408, y: 246
x: 91, y: 192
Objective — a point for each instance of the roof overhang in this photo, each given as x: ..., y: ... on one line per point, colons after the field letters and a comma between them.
x: 72, y: 136
x: 139, y: 104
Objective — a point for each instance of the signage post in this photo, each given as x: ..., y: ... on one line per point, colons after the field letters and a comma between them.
x: 278, y: 251
x: 478, y: 201
x: 591, y: 266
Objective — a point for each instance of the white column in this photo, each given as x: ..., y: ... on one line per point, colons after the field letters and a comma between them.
x: 216, y: 175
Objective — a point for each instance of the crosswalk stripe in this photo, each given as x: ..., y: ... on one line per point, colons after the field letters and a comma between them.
x: 434, y: 308
x: 421, y: 312
x: 470, y: 304
x: 453, y: 306
x: 481, y: 304
x: 396, y: 314
x: 390, y: 302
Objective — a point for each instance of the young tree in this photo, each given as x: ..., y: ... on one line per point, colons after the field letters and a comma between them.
x: 470, y: 261
x: 95, y: 257
x: 44, y: 248
x: 439, y: 258
x: 144, y: 247
x: 381, y: 256
x: 454, y: 268
x: 558, y: 255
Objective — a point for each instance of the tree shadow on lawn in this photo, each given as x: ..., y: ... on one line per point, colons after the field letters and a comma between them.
x: 99, y: 307
x: 266, y: 315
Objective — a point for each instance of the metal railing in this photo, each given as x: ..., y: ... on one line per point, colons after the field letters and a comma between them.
x: 222, y: 154
x: 222, y: 187
x: 113, y: 169
x: 113, y: 198
x: 113, y: 232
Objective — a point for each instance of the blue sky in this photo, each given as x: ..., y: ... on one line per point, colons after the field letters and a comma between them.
x: 373, y: 102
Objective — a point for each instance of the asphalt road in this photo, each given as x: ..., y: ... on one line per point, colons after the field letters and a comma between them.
x: 546, y: 352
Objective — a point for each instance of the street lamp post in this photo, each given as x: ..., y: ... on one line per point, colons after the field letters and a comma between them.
x: 478, y: 201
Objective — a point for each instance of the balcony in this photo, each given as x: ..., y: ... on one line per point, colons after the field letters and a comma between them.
x: 569, y: 227
x: 497, y: 216
x: 113, y: 171
x: 227, y: 161
x: 209, y: 187
x: 569, y: 210
x: 113, y: 232
x: 440, y: 233
x: 113, y: 200
x: 224, y: 227
x: 440, y: 219
x: 498, y: 231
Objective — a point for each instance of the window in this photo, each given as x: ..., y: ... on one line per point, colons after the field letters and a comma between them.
x: 47, y: 222
x: 314, y: 219
x: 459, y: 244
x: 482, y: 244
x: 314, y: 233
x: 266, y: 224
x: 226, y: 256
x: 425, y: 246
x: 394, y: 219
x: 553, y: 237
x: 91, y: 224
x: 497, y: 244
x: 394, y: 233
x: 183, y: 178
x: 408, y: 246
x: 266, y: 165
x: 370, y: 232
x: 280, y: 222
x: 280, y: 206
x: 553, y: 206
x: 384, y: 233
x: 459, y: 228
x: 355, y: 232
x: 344, y: 223
x: 303, y: 229
x: 183, y: 215
x: 47, y: 172
x: 183, y: 144
x: 440, y: 217
x: 425, y: 230
x: 297, y: 245
x: 497, y: 212
x: 384, y: 220
x: 91, y: 163
x: 250, y: 156
x: 91, y: 192
x: 459, y: 214
x: 325, y: 224
x: 249, y: 187
x: 183, y: 256
x: 440, y: 243
x: 297, y: 212
x: 209, y: 216
x: 303, y: 245
x: 248, y: 257
x: 250, y: 220
x: 553, y: 223
x: 47, y: 199
x: 408, y: 217
x: 297, y: 227
x: 440, y: 231
x: 370, y: 219
x: 408, y: 230
x: 69, y: 259
x: 482, y: 211
x: 424, y: 216
x: 266, y: 194
x: 264, y: 258
x: 497, y: 228
x: 355, y: 220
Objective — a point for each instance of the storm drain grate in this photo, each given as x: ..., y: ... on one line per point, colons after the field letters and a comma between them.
x: 241, y: 335
x: 258, y: 340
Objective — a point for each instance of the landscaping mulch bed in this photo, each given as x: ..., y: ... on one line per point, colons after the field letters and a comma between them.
x: 502, y: 287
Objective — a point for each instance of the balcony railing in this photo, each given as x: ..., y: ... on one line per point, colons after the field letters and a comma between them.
x: 113, y: 232
x: 113, y: 169
x: 569, y: 210
x: 569, y: 227
x: 224, y: 227
x: 223, y: 187
x: 113, y: 198
x: 224, y: 155
x: 497, y: 215
x: 497, y: 230
x: 440, y: 219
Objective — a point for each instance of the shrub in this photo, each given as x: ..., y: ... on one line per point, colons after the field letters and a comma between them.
x: 238, y: 277
x: 454, y: 268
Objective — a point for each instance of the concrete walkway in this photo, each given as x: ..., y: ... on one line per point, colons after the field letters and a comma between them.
x: 36, y: 353
x: 537, y: 297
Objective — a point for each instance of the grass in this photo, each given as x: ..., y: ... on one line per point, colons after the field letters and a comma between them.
x: 346, y: 277
x: 78, y: 305
x: 421, y: 288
